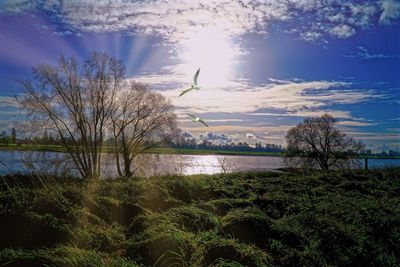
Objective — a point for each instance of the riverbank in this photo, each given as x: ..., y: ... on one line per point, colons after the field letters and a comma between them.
x: 161, y: 150
x: 164, y: 150
x: 241, y: 219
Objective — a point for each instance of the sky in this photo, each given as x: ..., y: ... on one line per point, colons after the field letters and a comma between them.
x: 264, y: 65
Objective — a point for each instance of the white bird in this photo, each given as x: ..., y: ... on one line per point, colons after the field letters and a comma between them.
x: 194, y: 85
x: 197, y: 119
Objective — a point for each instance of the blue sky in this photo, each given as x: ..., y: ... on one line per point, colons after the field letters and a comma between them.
x: 265, y: 65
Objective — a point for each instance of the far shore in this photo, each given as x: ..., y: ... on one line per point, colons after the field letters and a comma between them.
x: 163, y: 150
x: 159, y: 150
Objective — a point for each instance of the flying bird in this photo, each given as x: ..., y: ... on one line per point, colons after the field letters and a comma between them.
x: 194, y: 85
x: 197, y: 119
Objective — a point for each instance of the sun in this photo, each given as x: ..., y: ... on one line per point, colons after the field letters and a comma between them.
x: 211, y: 50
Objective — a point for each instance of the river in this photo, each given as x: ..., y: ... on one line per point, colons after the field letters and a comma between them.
x: 154, y: 164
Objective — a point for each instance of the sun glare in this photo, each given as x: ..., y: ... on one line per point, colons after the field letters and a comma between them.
x: 211, y: 50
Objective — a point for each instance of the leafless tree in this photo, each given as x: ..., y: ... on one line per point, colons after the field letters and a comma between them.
x: 142, y: 120
x: 315, y: 142
x: 225, y: 163
x: 76, y: 101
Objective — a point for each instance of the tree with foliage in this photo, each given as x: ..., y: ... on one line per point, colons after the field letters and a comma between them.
x: 316, y: 142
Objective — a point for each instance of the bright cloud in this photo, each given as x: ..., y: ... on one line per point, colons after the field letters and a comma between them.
x: 342, y: 31
x: 8, y: 102
x: 355, y: 123
x: 238, y: 96
x: 175, y: 19
x: 390, y: 11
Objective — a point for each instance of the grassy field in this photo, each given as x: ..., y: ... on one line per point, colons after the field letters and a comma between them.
x: 242, y: 219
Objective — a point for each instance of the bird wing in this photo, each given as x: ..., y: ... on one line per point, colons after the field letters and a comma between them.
x: 196, y: 75
x: 185, y: 91
x: 204, y: 123
x: 194, y: 117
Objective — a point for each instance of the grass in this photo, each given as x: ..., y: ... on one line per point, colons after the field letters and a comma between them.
x: 239, y: 219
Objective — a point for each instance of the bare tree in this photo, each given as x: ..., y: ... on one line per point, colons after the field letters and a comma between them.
x: 76, y: 101
x: 315, y: 142
x: 142, y: 120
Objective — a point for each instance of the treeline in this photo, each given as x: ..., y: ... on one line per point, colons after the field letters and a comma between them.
x: 383, y: 154
x: 44, y: 139
x: 191, y: 143
x: 184, y: 143
x: 48, y: 139
x: 8, y: 139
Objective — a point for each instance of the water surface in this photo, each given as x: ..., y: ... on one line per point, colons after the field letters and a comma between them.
x: 153, y: 164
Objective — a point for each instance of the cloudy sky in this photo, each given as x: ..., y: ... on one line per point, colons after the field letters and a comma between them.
x: 265, y: 65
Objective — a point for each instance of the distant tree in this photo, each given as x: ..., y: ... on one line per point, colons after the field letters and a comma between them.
x: 315, y: 142
x: 393, y: 153
x: 76, y: 101
x: 384, y: 154
x: 143, y: 119
x: 4, y: 140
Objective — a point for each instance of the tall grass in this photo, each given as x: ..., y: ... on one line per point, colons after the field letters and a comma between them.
x: 236, y: 219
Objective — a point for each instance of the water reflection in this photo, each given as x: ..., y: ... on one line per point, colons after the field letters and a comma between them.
x: 150, y: 164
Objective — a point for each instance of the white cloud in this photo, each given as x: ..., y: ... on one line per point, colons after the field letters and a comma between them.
x: 282, y: 99
x: 390, y: 11
x: 9, y: 113
x: 174, y: 19
x: 394, y: 129
x: 374, y: 136
x: 377, y: 141
x: 225, y: 120
x: 342, y: 31
x: 16, y: 6
x: 62, y: 33
x: 362, y: 14
x: 339, y: 114
x: 262, y: 129
x: 363, y: 53
x: 310, y: 36
x: 355, y: 123
x: 258, y: 133
x: 292, y: 97
x: 252, y: 137
x: 8, y: 101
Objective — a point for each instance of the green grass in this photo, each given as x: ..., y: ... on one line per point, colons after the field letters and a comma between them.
x: 240, y: 219
x: 27, y: 147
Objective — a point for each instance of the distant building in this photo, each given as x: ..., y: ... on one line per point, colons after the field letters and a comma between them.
x: 13, y: 136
